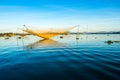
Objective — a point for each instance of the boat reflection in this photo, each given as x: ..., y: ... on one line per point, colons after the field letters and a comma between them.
x: 46, y: 43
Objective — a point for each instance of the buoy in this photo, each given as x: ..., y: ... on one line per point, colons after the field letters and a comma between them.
x: 19, y: 37
x: 77, y: 38
x: 61, y: 36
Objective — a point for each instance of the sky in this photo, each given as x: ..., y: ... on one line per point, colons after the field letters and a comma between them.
x: 91, y: 15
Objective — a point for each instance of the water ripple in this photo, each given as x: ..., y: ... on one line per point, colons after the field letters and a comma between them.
x: 69, y: 61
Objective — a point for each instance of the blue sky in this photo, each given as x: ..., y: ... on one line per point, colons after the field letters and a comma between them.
x: 91, y: 15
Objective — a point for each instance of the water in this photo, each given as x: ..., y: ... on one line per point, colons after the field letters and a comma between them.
x: 88, y: 58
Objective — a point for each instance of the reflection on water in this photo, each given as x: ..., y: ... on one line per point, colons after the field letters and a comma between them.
x: 88, y: 58
x: 45, y: 43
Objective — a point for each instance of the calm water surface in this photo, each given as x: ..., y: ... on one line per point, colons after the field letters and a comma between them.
x: 88, y: 58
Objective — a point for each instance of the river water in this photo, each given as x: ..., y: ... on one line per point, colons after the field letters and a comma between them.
x: 33, y: 58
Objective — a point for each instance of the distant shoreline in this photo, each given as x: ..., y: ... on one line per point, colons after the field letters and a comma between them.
x: 94, y: 33
x: 68, y: 33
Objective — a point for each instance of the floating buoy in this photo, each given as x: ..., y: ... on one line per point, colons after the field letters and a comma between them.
x: 19, y: 37
x: 77, y: 38
x: 61, y: 36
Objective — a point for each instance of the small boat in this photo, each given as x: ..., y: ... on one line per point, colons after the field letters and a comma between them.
x: 6, y: 38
